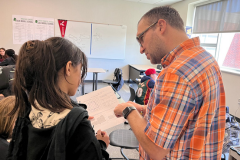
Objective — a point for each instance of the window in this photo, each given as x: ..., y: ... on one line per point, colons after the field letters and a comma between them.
x: 217, y: 25
x: 225, y: 47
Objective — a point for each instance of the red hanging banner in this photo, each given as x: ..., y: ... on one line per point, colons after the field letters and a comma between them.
x: 62, y: 26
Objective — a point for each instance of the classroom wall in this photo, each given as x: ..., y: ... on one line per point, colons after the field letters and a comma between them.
x: 231, y: 81
x: 100, y: 11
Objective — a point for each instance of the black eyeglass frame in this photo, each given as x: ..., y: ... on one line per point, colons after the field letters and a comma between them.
x: 141, y: 34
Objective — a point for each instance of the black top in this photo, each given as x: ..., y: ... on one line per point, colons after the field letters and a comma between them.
x: 72, y: 138
x: 8, y: 61
x: 3, y: 148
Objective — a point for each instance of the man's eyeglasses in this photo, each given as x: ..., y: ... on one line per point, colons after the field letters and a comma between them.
x: 140, y: 36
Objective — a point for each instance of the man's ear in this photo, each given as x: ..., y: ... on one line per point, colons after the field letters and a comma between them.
x: 162, y: 25
x: 68, y: 68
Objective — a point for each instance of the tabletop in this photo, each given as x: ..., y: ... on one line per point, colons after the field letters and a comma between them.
x: 97, y: 70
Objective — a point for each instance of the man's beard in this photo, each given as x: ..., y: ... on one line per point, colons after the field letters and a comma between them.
x: 158, y: 50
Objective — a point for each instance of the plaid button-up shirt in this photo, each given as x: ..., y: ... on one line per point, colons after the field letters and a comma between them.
x: 186, y: 110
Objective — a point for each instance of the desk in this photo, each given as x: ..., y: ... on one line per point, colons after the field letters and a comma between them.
x: 95, y: 72
x: 136, y: 70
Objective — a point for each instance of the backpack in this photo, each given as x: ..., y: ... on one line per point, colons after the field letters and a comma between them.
x: 232, y: 131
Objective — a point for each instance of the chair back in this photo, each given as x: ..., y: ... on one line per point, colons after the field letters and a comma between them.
x: 159, y: 66
x: 6, y: 79
x: 118, y: 78
x: 132, y: 93
x: 117, y: 74
x: 6, y: 74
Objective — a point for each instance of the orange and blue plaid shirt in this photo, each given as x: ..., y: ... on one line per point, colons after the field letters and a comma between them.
x: 186, y: 110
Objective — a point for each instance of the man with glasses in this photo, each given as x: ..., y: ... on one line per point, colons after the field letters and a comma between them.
x: 185, y: 115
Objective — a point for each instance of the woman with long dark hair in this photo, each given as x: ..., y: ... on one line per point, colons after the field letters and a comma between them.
x: 2, y: 54
x: 50, y: 125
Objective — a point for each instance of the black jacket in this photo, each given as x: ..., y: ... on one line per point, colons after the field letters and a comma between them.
x: 72, y: 138
x: 3, y: 148
x: 8, y: 61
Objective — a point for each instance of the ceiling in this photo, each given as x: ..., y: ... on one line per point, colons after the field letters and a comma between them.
x: 157, y: 2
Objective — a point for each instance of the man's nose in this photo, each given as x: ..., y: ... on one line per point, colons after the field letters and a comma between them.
x: 142, y: 50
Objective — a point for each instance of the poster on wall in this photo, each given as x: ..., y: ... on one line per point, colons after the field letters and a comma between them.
x: 27, y: 28
x: 43, y: 28
x: 189, y: 31
x: 22, y: 28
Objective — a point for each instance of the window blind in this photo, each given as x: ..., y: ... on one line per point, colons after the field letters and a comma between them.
x: 218, y: 17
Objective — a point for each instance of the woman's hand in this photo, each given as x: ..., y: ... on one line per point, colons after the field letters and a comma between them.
x: 1, y: 96
x: 101, y: 135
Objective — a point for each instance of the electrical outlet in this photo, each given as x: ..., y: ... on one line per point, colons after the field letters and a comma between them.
x: 238, y: 100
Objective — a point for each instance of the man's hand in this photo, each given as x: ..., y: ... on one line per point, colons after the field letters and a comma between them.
x: 119, y: 109
x: 140, y: 108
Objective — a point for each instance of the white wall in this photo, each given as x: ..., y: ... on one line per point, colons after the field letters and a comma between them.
x: 231, y: 81
x: 99, y: 11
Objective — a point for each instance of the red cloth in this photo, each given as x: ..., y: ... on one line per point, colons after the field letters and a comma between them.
x: 150, y: 71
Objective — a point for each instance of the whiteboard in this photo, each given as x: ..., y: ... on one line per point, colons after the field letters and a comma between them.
x: 77, y: 32
x: 108, y: 41
x: 96, y: 40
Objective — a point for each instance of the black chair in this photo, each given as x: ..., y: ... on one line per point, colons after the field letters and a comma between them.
x: 132, y: 93
x: 117, y: 81
x: 159, y: 66
x: 125, y: 139
x: 6, y: 77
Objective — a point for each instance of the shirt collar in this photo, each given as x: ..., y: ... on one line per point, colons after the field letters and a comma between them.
x: 171, y: 56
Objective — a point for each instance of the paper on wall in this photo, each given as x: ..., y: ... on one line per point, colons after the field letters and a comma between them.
x: 27, y: 28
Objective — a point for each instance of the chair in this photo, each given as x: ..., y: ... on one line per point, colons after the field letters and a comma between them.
x: 125, y: 139
x: 6, y: 77
x: 132, y: 93
x: 117, y: 81
x: 159, y: 66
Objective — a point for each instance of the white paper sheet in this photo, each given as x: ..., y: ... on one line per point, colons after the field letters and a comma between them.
x: 27, y: 28
x: 22, y: 28
x: 100, y: 104
x: 43, y: 28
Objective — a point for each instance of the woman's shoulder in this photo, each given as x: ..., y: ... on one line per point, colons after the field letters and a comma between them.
x: 78, y: 111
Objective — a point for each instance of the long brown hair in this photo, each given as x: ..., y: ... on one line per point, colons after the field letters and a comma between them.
x: 36, y: 73
x: 7, y: 122
x: 3, y: 57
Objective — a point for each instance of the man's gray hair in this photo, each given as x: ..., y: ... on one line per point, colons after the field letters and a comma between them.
x: 170, y: 15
